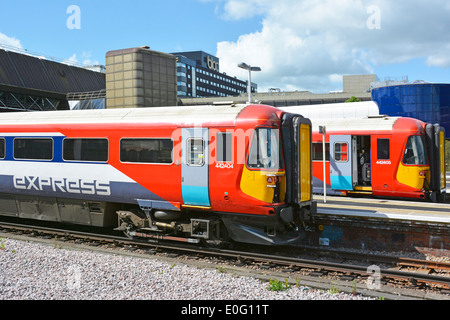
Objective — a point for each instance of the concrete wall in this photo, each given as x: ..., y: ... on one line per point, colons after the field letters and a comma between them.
x: 358, y: 83
x: 140, y: 77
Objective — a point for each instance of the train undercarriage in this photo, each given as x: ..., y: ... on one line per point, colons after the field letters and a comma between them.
x: 160, y: 225
x: 215, y: 230
x: 199, y: 227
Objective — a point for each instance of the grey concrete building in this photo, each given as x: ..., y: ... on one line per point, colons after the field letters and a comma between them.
x: 140, y: 77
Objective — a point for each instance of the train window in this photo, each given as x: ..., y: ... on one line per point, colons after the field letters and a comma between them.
x: 85, y: 149
x: 415, y: 151
x: 265, y: 150
x: 341, y: 152
x: 317, y: 148
x: 195, y: 152
x: 383, y: 151
x: 2, y: 148
x: 146, y: 150
x: 33, y: 148
x: 224, y: 147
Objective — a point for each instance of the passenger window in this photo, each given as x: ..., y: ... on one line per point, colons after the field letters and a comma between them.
x: 383, y: 152
x: 341, y: 152
x: 195, y: 154
x: 318, y: 151
x: 146, y: 150
x: 224, y: 147
x: 2, y: 148
x: 33, y: 148
x: 85, y: 150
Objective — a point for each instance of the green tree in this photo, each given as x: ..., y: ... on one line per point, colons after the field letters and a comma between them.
x: 353, y: 99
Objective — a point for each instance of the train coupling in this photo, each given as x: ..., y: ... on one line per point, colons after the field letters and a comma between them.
x: 304, y: 216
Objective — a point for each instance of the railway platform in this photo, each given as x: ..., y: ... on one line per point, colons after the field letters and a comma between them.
x: 380, y: 224
x: 385, y: 209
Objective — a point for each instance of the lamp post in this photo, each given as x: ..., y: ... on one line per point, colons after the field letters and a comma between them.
x: 250, y: 69
x: 323, y: 131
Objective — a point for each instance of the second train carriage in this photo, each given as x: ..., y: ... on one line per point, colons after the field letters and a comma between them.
x: 373, y: 154
x: 212, y: 173
x: 382, y: 156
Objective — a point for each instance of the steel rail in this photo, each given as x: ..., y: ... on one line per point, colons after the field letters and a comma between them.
x: 399, y: 261
x: 245, y: 255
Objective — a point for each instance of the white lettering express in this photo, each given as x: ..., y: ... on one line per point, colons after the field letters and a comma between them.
x: 66, y: 185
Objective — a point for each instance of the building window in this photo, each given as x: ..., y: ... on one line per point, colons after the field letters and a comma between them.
x: 341, y: 152
x: 224, y: 147
x: 146, y: 150
x: 85, y: 150
x: 33, y: 148
x: 383, y: 152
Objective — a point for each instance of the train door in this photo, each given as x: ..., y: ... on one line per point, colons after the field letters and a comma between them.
x: 363, y: 164
x: 342, y: 162
x: 194, y: 167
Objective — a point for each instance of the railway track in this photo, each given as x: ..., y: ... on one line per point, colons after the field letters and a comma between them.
x: 364, y: 271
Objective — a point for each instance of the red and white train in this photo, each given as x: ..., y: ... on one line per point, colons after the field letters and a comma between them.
x: 212, y: 173
x: 376, y: 154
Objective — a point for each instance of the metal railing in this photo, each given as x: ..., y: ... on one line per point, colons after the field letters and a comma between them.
x: 90, y: 95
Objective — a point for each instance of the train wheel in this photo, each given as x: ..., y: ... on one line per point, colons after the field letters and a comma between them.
x: 218, y: 234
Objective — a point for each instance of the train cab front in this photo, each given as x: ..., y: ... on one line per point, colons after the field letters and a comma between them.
x: 277, y: 174
x: 435, y: 146
x: 422, y: 165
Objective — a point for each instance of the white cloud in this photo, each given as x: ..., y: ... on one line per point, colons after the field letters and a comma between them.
x: 442, y: 61
x: 237, y: 9
x: 336, y: 78
x: 72, y: 60
x: 306, y: 44
x: 86, y: 60
x: 10, y: 43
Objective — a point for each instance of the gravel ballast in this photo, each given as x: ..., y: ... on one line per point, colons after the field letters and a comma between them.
x: 35, y: 271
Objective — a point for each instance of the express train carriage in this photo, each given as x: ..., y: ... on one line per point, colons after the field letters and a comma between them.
x: 203, y: 173
x: 378, y: 155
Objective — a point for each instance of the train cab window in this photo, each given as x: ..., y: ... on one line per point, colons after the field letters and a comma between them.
x: 383, y: 151
x: 341, y: 152
x: 224, y: 147
x: 317, y: 148
x: 33, y: 148
x: 85, y: 149
x: 158, y: 151
x: 195, y: 152
x: 265, y: 149
x: 2, y: 148
x: 415, y: 151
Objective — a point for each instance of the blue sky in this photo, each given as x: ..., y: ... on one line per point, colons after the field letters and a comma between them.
x: 165, y: 25
x: 299, y: 44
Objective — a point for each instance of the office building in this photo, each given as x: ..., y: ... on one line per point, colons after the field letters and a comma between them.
x: 199, y: 76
